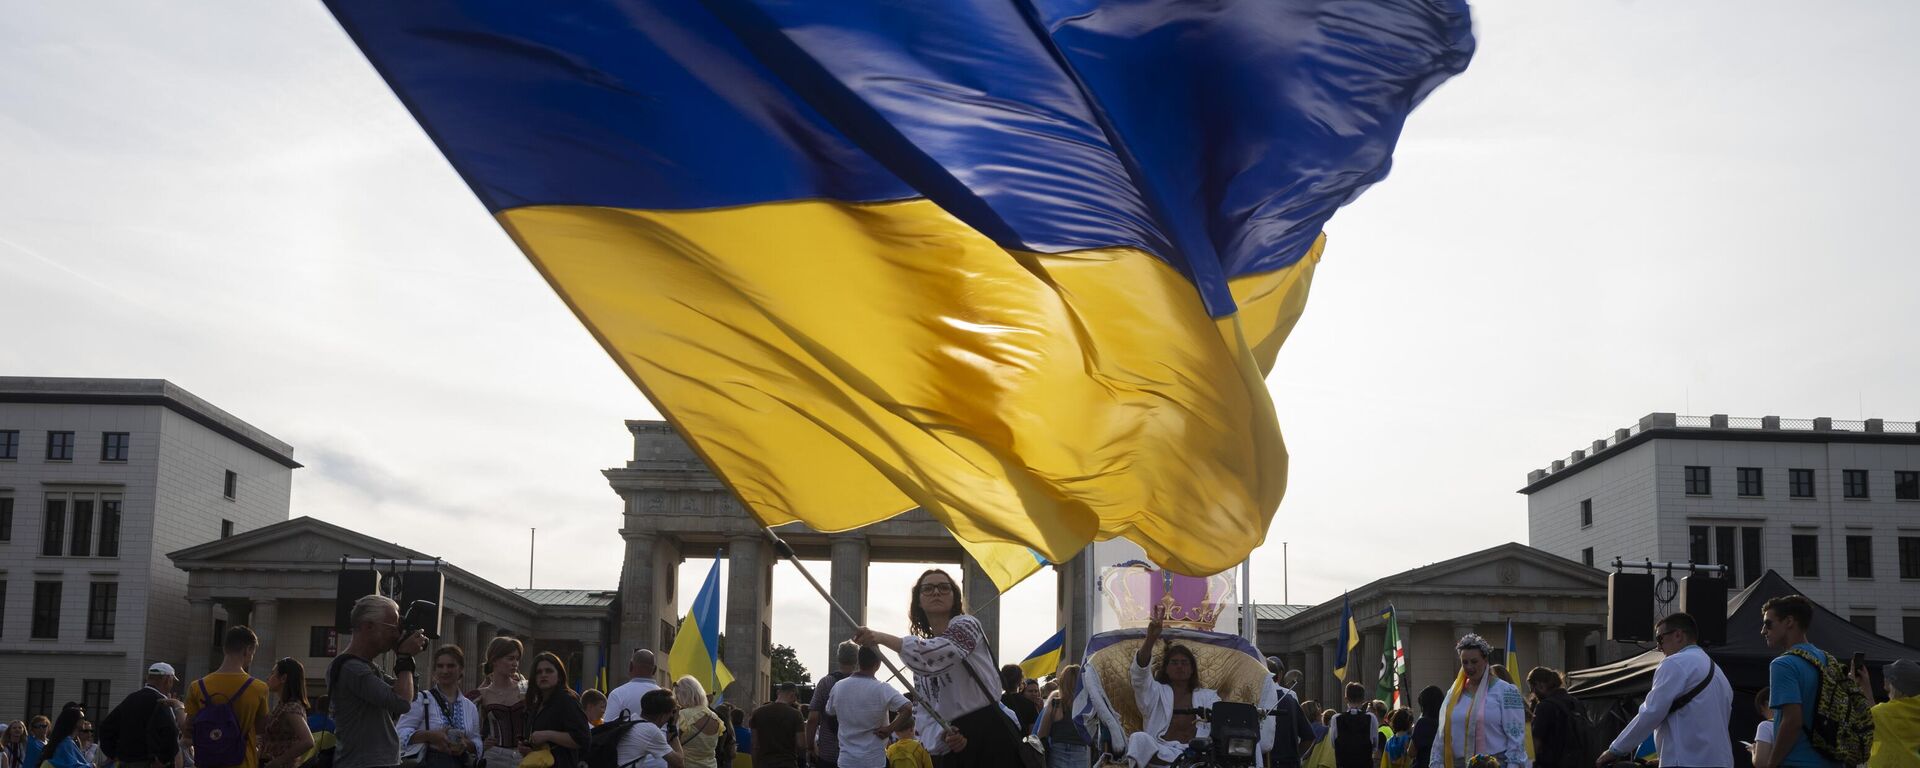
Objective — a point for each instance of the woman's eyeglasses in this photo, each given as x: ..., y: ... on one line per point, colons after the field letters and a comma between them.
x: 935, y: 588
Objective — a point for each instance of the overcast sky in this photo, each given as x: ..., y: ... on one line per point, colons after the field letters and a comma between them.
x: 1622, y: 207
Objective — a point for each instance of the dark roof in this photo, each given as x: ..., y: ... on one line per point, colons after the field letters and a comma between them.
x: 1275, y: 612
x: 572, y: 598
x: 160, y: 392
x: 1745, y: 655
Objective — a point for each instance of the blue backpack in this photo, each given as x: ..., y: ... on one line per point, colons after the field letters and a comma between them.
x: 219, y: 741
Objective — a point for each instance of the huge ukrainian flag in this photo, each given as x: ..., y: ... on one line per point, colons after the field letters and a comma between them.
x: 1020, y: 263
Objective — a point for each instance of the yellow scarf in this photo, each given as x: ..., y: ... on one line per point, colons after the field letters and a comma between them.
x: 1475, y: 714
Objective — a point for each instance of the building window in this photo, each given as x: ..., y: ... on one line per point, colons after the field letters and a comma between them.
x: 109, y: 528
x: 1723, y: 538
x: 1586, y: 513
x: 113, y: 446
x: 94, y: 696
x: 232, y: 487
x: 55, y: 532
x: 1866, y: 621
x: 1586, y: 557
x: 1800, y: 483
x: 1855, y: 481
x: 1750, y: 555
x: 1699, y: 481
x: 226, y: 529
x: 1699, y: 538
x: 46, y: 610
x: 1910, y: 629
x: 1859, y: 557
x: 103, y: 601
x: 1906, y: 486
x: 40, y: 696
x: 6, y: 518
x: 9, y: 443
x: 1910, y: 560
x: 323, y: 642
x: 81, y: 543
x: 59, y: 446
x: 3, y: 606
x: 1806, y: 555
x: 1749, y: 478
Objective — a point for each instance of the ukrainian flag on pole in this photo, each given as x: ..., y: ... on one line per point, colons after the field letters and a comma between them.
x: 1046, y: 658
x: 1346, y: 649
x: 696, y: 647
x: 1023, y: 265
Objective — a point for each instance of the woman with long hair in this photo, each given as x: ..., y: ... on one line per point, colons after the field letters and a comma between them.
x: 555, y: 720
x: 503, y: 706
x: 1483, y: 720
x: 699, y: 726
x: 286, y: 738
x: 952, y: 666
x: 1173, y: 684
x: 61, y: 751
x: 1066, y: 737
x: 13, y: 744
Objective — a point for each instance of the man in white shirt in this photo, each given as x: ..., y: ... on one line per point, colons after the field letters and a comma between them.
x: 861, y: 702
x: 627, y: 698
x: 657, y: 749
x: 1688, y: 708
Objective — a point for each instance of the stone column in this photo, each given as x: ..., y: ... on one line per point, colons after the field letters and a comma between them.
x: 1552, y: 647
x: 1459, y: 631
x: 591, y: 659
x: 467, y: 634
x: 1072, y: 582
x: 637, y: 611
x: 849, y: 587
x: 749, y: 609
x: 981, y: 592
x: 1329, y: 684
x: 1312, y: 671
x: 265, y: 621
x: 1372, y: 641
x: 199, y: 637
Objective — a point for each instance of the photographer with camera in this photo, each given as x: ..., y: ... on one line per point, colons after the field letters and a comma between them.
x: 366, y: 700
x: 441, y: 730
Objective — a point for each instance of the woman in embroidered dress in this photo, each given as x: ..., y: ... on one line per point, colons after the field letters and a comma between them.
x: 502, y: 703
x: 287, y: 738
x: 947, y: 651
x: 1482, y: 718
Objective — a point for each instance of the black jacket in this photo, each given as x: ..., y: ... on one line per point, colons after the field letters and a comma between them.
x: 1560, y: 732
x: 140, y: 729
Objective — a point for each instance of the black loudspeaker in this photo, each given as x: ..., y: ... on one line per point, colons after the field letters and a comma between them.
x: 354, y: 584
x: 1705, y: 599
x: 1630, y: 607
x: 412, y: 586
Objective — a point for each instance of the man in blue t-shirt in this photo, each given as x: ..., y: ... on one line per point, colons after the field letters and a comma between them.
x: 1795, y: 683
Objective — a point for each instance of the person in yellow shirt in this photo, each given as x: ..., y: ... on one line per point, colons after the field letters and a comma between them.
x: 1896, y: 722
x: 229, y: 685
x: 907, y: 752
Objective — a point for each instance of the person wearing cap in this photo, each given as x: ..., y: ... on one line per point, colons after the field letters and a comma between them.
x: 141, y: 731
x: 1896, y: 721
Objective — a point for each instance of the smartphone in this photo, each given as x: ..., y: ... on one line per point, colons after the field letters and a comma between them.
x: 1859, y: 661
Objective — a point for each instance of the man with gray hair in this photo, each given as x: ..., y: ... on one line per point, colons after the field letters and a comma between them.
x: 823, y: 730
x: 366, y: 700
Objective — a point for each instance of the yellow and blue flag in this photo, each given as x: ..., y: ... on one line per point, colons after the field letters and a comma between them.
x: 1046, y: 658
x: 1023, y: 265
x: 1346, y: 649
x: 696, y: 647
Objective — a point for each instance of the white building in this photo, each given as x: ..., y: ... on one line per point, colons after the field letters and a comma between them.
x: 1833, y: 505
x: 99, y: 480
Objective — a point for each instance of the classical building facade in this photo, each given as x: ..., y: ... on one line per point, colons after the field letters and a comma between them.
x: 1557, y: 608
x: 1833, y: 505
x: 99, y: 479
x: 282, y: 582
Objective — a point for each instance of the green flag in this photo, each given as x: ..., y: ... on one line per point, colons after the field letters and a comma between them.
x: 1393, y: 663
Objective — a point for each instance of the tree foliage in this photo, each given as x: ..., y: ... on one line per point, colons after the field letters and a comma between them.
x: 787, y: 667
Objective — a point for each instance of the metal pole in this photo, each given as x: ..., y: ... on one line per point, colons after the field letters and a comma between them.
x: 781, y: 547
x: 530, y: 535
x: 1284, y: 578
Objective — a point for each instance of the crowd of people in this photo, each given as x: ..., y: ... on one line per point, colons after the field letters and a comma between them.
x: 1815, y: 713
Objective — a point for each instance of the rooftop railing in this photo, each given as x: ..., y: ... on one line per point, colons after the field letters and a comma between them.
x: 1722, y: 421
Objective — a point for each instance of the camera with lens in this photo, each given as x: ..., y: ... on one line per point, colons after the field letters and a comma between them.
x: 424, y: 616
